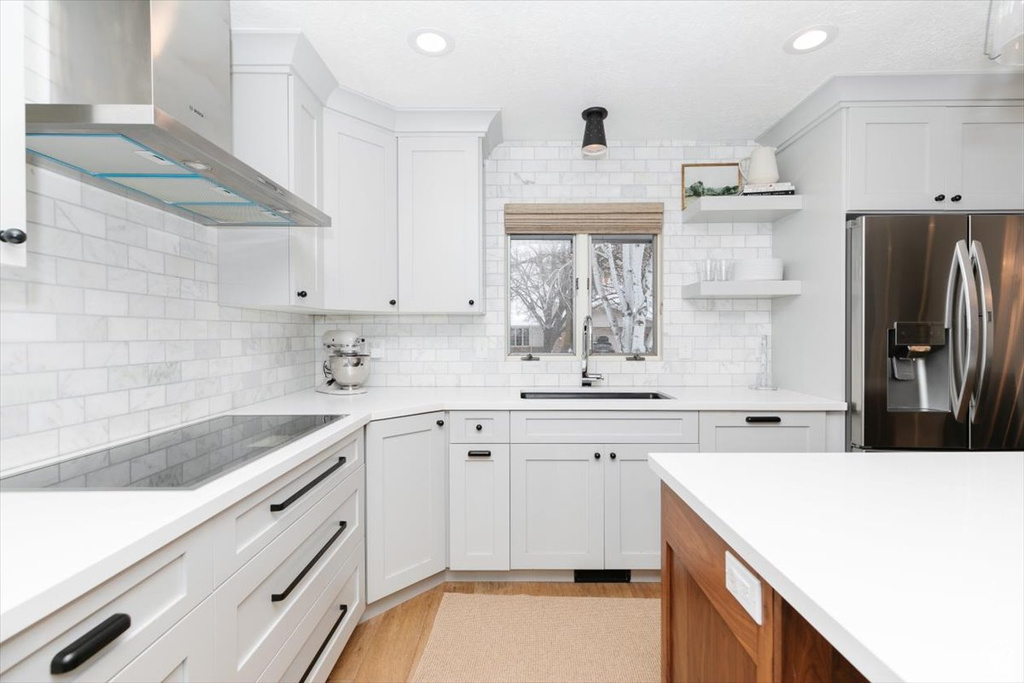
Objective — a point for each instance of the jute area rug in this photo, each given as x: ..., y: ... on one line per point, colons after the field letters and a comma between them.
x: 536, y: 639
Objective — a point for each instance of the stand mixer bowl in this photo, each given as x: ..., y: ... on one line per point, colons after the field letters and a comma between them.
x: 349, y: 371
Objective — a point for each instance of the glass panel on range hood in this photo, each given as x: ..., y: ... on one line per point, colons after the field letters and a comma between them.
x: 237, y: 214
x: 180, y: 189
x: 99, y: 154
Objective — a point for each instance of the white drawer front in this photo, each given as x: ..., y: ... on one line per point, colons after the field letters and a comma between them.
x: 185, y: 654
x: 314, y: 647
x: 762, y: 432
x: 249, y: 525
x: 259, y: 607
x: 155, y: 593
x: 486, y: 426
x: 594, y: 426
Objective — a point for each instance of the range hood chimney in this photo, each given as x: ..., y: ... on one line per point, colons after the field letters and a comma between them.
x: 140, y: 102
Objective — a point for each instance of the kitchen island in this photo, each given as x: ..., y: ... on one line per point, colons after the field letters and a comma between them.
x: 886, y: 566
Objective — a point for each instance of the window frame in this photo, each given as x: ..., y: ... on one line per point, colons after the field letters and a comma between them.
x: 581, y: 245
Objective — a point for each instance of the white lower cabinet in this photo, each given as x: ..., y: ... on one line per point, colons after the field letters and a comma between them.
x: 406, y: 502
x: 632, y: 506
x: 557, y: 507
x: 185, y: 654
x: 762, y: 432
x: 478, y: 482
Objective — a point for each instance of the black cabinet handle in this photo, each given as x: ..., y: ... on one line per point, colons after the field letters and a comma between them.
x: 597, y: 456
x: 277, y: 507
x: 392, y: 302
x: 278, y: 597
x: 479, y: 454
x: 13, y: 236
x: 471, y: 302
x: 479, y: 428
x: 79, y: 652
x: 440, y: 423
x: 612, y: 456
x: 301, y: 294
x: 323, y: 646
x: 955, y: 198
x: 940, y: 197
x: 763, y: 418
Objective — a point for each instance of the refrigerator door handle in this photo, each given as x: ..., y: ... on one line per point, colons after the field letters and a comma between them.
x: 987, y: 314
x: 963, y: 362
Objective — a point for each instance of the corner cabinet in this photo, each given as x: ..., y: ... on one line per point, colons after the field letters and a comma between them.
x: 406, y: 502
x: 932, y: 158
x: 440, y: 225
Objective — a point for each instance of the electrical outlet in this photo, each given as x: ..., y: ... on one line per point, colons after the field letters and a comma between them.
x: 743, y: 585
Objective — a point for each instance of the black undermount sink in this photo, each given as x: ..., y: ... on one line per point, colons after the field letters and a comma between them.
x: 594, y: 395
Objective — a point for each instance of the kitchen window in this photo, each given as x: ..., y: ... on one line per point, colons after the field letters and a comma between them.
x: 556, y: 279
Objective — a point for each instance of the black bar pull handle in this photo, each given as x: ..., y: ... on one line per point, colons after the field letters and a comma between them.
x: 323, y: 645
x: 79, y: 652
x: 277, y: 507
x: 764, y: 418
x: 479, y: 454
x: 278, y: 597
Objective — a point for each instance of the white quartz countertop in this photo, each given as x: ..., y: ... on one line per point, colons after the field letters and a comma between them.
x: 57, y: 545
x: 911, y: 564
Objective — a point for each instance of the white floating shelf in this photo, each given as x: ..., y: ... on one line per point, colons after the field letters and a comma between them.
x: 739, y: 209
x: 742, y: 289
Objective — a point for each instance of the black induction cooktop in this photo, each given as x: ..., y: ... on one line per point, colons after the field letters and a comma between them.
x: 183, y: 458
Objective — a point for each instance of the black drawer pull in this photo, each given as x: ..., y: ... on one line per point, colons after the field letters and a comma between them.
x: 479, y: 428
x: 763, y: 418
x: 479, y: 454
x: 277, y: 507
x: 323, y: 645
x: 278, y: 597
x: 79, y: 652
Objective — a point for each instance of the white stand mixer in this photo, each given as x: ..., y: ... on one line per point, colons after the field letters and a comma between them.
x: 348, y: 364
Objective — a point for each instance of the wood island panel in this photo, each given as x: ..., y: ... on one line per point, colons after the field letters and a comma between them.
x: 708, y: 637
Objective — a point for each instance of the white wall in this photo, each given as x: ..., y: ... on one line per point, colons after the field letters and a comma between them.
x: 113, y: 329
x: 710, y: 342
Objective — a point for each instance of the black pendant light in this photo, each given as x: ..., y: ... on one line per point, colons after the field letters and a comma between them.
x: 594, y: 142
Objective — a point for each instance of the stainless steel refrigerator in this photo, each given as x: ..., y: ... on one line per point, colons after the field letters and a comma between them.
x: 936, y: 332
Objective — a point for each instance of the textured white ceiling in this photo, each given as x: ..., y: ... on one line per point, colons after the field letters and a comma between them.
x: 670, y: 70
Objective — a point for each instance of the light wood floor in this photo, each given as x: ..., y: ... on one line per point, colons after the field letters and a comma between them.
x: 387, y: 648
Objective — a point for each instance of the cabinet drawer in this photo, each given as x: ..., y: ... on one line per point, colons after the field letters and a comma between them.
x: 250, y: 524
x: 490, y: 426
x: 184, y: 654
x: 314, y: 647
x: 154, y: 593
x: 589, y: 426
x: 762, y: 432
x: 259, y: 607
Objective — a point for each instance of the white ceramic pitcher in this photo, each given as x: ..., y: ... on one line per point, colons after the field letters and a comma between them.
x: 760, y: 166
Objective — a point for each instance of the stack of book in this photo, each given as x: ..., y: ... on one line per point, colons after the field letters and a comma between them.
x: 768, y: 188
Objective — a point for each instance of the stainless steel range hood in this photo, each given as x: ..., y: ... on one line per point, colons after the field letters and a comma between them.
x: 140, y: 102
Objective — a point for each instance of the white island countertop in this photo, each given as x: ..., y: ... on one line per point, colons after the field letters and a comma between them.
x: 911, y: 564
x: 44, y: 564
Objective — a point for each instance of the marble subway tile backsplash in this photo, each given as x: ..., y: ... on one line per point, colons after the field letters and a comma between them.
x: 113, y: 329
x: 704, y: 342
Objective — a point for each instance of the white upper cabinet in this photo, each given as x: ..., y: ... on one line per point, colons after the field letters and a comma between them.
x: 986, y: 157
x: 440, y: 225
x: 360, y: 195
x: 936, y: 158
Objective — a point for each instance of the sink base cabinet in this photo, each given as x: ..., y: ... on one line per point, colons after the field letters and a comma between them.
x: 406, y: 495
x: 706, y: 635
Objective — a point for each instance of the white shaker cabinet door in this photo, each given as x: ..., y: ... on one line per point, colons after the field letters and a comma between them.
x: 986, y: 158
x: 361, y: 246
x: 632, y: 506
x: 440, y: 224
x: 897, y: 159
x: 185, y: 654
x: 406, y: 502
x: 479, y: 490
x: 557, y: 506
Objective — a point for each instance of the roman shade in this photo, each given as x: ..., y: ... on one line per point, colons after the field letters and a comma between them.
x: 619, y: 218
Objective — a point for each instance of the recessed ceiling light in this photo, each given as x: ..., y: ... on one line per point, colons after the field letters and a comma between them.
x: 810, y: 39
x: 430, y: 41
